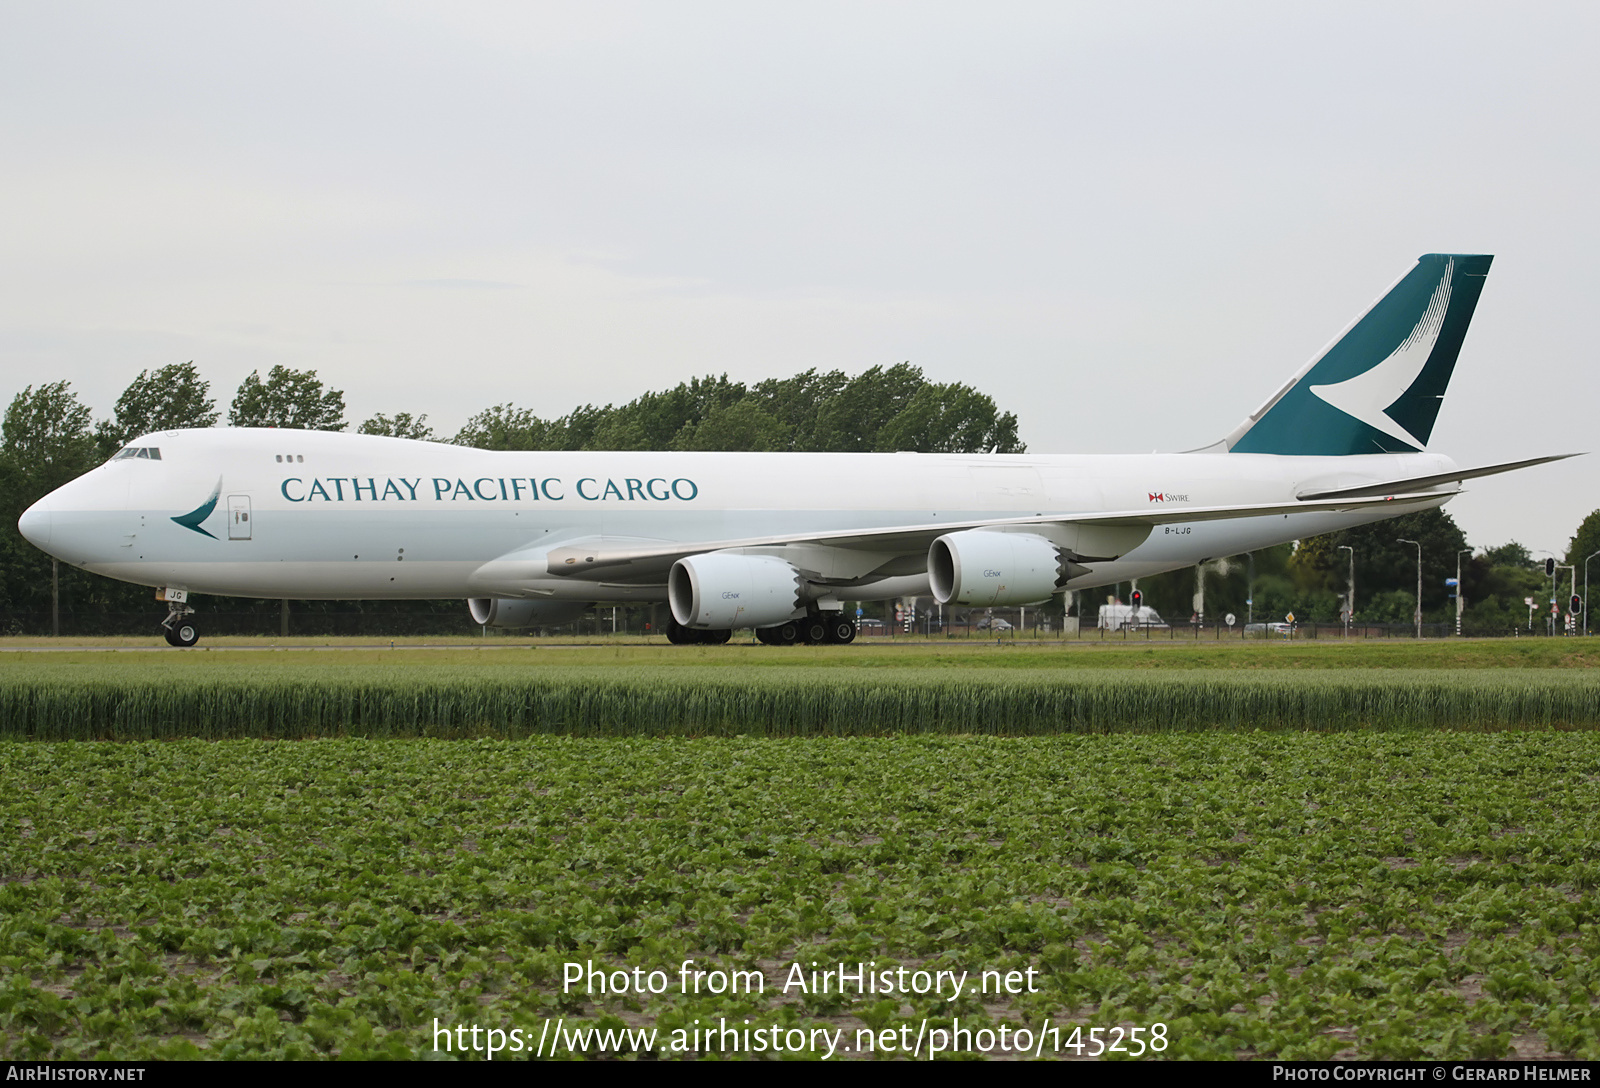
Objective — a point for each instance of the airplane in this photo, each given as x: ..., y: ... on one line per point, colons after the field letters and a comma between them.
x: 777, y: 542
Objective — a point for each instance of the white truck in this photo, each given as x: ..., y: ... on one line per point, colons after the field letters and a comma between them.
x: 1114, y: 617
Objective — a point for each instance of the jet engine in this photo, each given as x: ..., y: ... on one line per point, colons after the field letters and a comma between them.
x: 511, y: 612
x: 984, y: 568
x: 721, y: 590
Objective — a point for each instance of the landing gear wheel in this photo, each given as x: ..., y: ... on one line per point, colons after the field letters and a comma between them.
x: 815, y: 630
x: 842, y: 630
x: 679, y: 635
x: 786, y: 635
x: 768, y: 636
x: 178, y: 628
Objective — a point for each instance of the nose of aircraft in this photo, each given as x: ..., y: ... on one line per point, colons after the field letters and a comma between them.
x: 34, y: 524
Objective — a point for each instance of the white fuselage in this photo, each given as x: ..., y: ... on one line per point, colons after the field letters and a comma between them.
x: 320, y: 515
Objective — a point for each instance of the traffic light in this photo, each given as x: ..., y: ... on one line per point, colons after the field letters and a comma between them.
x: 1577, y: 604
x: 1138, y: 599
x: 1549, y: 568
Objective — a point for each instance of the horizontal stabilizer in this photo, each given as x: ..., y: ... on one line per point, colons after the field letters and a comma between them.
x: 1416, y: 483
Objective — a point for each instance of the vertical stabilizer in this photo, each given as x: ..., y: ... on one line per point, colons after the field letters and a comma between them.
x: 1376, y: 388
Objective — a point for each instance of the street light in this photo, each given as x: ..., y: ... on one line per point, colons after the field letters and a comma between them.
x: 1350, y: 590
x: 1586, y: 592
x: 1419, y: 585
x: 1250, y: 591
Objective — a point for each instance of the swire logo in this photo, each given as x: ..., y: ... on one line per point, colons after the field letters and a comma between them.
x: 1167, y: 496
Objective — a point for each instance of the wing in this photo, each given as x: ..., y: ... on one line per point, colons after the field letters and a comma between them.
x: 902, y: 549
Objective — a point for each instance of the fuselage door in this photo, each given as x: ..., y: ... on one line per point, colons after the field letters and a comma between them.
x: 238, y: 517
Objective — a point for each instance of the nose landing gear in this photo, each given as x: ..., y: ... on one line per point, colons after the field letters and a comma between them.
x: 179, y: 629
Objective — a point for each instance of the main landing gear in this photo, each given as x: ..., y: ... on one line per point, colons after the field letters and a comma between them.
x: 178, y: 627
x: 679, y: 635
x: 817, y: 629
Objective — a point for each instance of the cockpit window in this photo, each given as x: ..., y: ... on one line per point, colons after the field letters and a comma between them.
x: 149, y: 453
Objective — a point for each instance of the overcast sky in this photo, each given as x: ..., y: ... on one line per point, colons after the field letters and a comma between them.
x: 1128, y: 223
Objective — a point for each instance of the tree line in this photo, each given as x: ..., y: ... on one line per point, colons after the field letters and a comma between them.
x: 1311, y: 579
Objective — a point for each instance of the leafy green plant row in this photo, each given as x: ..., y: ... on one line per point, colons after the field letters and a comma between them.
x: 467, y: 701
x: 1290, y: 895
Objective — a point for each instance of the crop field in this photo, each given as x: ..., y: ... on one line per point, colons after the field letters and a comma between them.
x: 1288, y: 895
x: 733, y: 690
x: 586, y: 701
x: 1270, y: 851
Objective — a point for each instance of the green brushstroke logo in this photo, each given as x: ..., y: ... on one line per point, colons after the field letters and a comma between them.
x: 193, y: 518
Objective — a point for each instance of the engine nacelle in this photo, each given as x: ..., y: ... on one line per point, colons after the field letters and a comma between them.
x: 984, y: 568
x: 720, y: 591
x: 511, y: 612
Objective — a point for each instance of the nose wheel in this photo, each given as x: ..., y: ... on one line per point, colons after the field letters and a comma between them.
x: 179, y: 628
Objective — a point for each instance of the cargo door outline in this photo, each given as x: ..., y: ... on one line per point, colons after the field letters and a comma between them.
x: 239, y: 521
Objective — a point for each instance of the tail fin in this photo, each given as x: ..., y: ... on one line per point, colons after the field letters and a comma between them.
x: 1376, y: 388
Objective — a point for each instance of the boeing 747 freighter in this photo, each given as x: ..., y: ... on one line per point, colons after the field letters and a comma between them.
x: 771, y: 541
